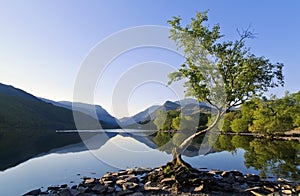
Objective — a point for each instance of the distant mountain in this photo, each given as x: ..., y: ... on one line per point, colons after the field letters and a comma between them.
x: 28, y: 126
x: 103, y: 116
x: 19, y: 110
x: 144, y: 119
x: 146, y: 115
x: 10, y: 91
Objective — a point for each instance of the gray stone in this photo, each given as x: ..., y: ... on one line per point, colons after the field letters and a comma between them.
x: 286, y: 186
x: 65, y: 192
x: 99, y: 188
x: 132, y: 179
x: 110, y: 189
x: 130, y: 186
x: 82, y: 189
x: 124, y: 192
x: 272, y: 189
x: 214, y: 172
x: 240, y: 179
x: 52, y: 194
x: 151, y: 188
x: 139, y: 171
x: 118, y: 188
x: 123, y: 177
x: 222, y: 186
x: 256, y: 188
x: 120, y: 182
x: 107, y: 175
x: 284, y: 180
x: 136, y: 194
x: 232, y: 172
x: 252, y: 177
x: 63, y: 186
x: 288, y: 192
x: 123, y: 172
x: 199, y: 188
x: 89, y: 180
x: 54, y: 188
x: 33, y: 192
x: 73, y: 191
x: 229, y: 178
x: 168, y: 180
x: 256, y: 193
x: 108, y: 182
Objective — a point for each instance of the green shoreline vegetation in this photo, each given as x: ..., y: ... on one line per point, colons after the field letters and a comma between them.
x: 264, y: 117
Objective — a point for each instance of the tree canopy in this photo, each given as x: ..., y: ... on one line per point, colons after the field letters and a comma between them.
x: 236, y: 73
x: 223, y: 73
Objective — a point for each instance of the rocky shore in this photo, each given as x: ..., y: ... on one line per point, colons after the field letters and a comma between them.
x: 166, y: 180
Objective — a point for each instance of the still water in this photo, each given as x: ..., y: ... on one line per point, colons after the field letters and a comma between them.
x: 112, y: 152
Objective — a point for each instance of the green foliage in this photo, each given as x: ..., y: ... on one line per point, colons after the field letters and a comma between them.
x: 175, y: 120
x: 162, y: 138
x: 203, y: 120
x: 167, y: 169
x: 160, y: 119
x: 280, y: 158
x: 228, y: 118
x: 224, y: 142
x: 185, y: 122
x: 268, y: 116
x: 229, y: 64
x: 178, y: 138
x: 273, y: 116
x: 241, y: 141
x: 242, y: 122
x: 164, y: 119
x: 296, y: 109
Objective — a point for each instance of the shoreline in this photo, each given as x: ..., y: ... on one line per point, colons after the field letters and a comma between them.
x: 160, y: 181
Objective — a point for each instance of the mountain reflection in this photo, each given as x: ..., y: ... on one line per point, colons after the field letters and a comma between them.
x: 272, y: 158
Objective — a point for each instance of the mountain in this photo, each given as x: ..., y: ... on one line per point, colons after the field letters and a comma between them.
x: 140, y: 117
x: 108, y: 121
x: 19, y: 110
x: 144, y: 119
x: 28, y: 126
x: 103, y: 116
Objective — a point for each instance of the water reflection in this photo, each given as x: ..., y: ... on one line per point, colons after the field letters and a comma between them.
x: 271, y: 157
x: 120, y: 150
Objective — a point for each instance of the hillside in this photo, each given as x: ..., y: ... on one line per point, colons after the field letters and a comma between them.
x: 28, y: 126
x: 103, y: 116
x: 21, y: 110
x: 144, y: 119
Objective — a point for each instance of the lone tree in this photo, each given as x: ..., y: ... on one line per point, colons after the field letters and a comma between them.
x: 225, y: 74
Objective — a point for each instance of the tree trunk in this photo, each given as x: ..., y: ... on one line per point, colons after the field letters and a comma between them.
x: 177, y: 159
x: 177, y: 151
x: 186, y: 142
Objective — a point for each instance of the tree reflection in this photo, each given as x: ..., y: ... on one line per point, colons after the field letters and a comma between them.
x: 271, y: 157
x: 280, y: 158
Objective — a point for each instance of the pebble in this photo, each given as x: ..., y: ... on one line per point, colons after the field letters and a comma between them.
x: 179, y: 181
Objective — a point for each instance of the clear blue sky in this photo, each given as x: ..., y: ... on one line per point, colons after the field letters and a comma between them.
x: 43, y: 43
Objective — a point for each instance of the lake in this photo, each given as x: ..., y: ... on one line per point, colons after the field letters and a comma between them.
x: 117, y: 149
